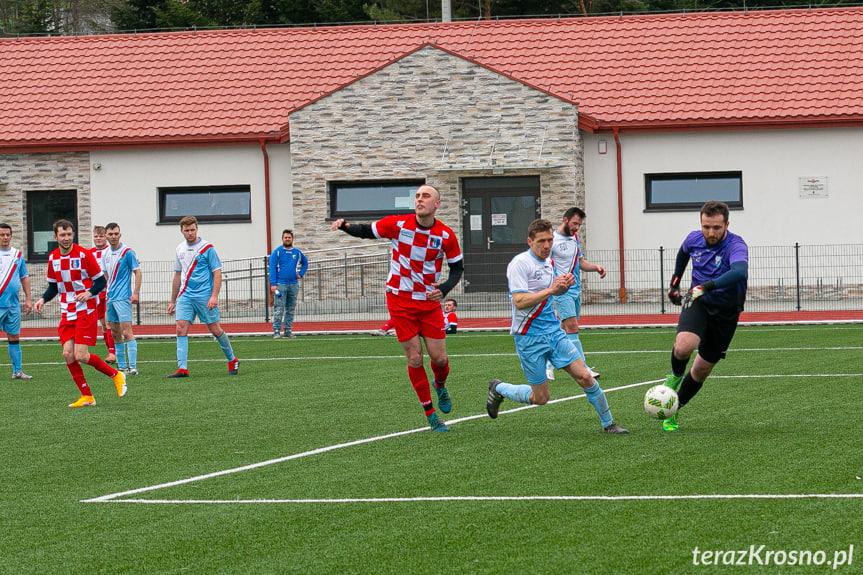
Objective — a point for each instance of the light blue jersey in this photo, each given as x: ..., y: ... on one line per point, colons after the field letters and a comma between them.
x: 12, y: 269
x: 526, y: 273
x: 119, y: 265
x: 196, y: 264
x: 566, y: 253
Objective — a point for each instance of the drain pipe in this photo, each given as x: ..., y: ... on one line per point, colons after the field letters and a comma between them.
x: 621, y: 292
x: 267, y: 193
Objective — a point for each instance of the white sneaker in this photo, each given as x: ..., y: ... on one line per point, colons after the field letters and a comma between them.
x: 593, y: 374
x: 132, y: 371
x: 21, y: 375
x: 549, y: 371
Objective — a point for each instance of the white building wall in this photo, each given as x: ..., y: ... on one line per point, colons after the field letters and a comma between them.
x: 125, y: 189
x: 772, y: 162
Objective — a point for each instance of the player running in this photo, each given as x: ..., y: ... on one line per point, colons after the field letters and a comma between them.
x: 420, y: 243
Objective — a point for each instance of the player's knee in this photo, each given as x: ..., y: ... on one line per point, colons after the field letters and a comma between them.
x: 538, y: 397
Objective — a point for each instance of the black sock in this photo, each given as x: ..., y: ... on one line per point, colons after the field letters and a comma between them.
x: 678, y: 366
x: 688, y: 388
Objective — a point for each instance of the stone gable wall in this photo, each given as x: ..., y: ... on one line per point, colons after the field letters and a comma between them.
x: 51, y: 171
x: 438, y: 117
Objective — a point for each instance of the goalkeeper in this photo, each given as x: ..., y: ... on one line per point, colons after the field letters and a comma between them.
x: 711, y: 308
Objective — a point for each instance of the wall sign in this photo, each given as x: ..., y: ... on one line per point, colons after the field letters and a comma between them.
x: 813, y: 187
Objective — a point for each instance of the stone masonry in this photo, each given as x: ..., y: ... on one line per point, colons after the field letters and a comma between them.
x: 50, y: 171
x: 436, y: 116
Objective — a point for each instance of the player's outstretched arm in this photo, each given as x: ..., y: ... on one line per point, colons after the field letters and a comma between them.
x: 357, y: 230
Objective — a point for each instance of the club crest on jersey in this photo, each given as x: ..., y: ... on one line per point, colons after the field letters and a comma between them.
x: 75, y: 263
x: 717, y: 261
x: 434, y: 243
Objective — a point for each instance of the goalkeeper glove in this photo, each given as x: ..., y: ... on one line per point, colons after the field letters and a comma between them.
x: 674, y: 292
x: 696, y: 292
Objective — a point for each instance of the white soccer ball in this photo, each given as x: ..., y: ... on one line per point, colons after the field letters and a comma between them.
x: 660, y: 402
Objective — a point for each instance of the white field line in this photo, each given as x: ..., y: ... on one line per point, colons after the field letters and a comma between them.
x: 506, y: 354
x: 326, y: 449
x: 506, y: 498
x: 115, y: 497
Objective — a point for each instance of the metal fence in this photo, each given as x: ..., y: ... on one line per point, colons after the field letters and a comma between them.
x: 347, y: 285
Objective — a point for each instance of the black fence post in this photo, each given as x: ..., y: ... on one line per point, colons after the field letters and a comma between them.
x: 266, y: 290
x: 797, y: 271
x: 661, y: 278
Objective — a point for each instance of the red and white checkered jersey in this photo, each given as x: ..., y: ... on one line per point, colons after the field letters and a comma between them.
x: 418, y: 254
x: 73, y: 273
x: 98, y: 253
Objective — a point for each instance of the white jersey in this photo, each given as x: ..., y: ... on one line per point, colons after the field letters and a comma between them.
x: 527, y: 274
x: 566, y: 252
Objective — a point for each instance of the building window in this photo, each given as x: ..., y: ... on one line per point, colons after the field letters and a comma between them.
x: 44, y: 207
x: 372, y: 199
x: 207, y: 203
x: 688, y: 192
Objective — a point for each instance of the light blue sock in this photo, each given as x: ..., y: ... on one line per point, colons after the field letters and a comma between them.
x: 132, y: 348
x: 519, y: 393
x: 15, y: 356
x: 225, y: 344
x: 183, y: 351
x: 120, y: 350
x: 573, y: 337
x: 596, y: 397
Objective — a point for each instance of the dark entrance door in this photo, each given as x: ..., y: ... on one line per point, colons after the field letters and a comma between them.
x: 496, y: 215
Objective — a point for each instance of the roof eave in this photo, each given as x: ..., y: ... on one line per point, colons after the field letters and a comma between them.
x: 93, y: 144
x: 593, y: 126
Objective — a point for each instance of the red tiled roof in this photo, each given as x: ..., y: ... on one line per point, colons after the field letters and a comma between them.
x: 669, y: 71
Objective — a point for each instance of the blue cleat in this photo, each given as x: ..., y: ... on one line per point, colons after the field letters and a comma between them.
x: 436, y: 423
x: 444, y: 403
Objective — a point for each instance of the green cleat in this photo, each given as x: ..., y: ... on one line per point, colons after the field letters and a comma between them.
x: 673, y: 381
x: 436, y: 423
x: 670, y: 424
x: 444, y: 403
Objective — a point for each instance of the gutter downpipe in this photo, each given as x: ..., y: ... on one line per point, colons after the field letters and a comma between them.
x: 267, y: 193
x: 621, y: 293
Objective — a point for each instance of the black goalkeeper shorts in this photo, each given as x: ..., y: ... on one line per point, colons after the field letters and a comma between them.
x: 714, y: 327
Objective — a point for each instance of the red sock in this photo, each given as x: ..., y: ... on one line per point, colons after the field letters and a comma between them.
x: 109, y: 342
x: 440, y: 373
x: 420, y: 381
x: 101, y: 366
x: 78, y: 377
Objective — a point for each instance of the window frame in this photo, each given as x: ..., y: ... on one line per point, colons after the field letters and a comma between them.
x: 334, y: 186
x: 165, y: 192
x: 32, y: 205
x: 651, y: 206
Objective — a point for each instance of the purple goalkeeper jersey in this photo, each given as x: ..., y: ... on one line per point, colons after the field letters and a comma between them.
x: 710, y: 262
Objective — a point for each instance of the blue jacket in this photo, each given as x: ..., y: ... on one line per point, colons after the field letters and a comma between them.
x: 284, y: 264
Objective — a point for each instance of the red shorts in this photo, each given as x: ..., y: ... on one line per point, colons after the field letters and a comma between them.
x: 413, y: 317
x: 82, y: 330
x: 100, y: 307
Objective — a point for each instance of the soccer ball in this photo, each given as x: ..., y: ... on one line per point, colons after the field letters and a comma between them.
x: 660, y: 402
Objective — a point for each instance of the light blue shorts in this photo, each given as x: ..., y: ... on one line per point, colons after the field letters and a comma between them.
x: 118, y: 311
x: 534, y: 350
x: 10, y: 320
x: 186, y: 310
x: 567, y: 305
